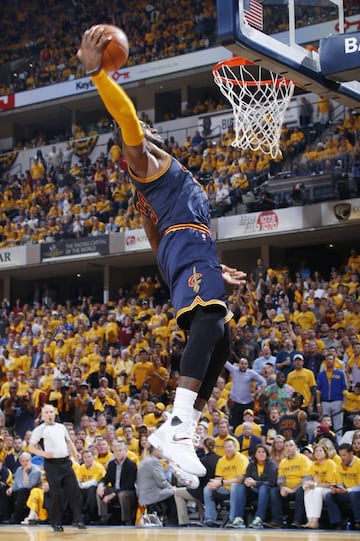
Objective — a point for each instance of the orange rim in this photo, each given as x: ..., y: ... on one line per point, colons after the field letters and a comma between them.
x: 238, y: 61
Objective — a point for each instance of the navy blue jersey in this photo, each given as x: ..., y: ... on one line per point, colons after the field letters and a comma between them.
x: 187, y: 255
x: 173, y: 197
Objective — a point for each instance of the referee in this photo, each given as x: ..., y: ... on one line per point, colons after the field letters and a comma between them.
x: 51, y: 441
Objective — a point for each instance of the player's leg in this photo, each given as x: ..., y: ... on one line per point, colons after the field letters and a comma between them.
x: 218, y: 359
x: 174, y: 438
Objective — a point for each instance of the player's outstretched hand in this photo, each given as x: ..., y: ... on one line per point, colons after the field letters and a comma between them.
x: 233, y: 276
x: 92, y: 45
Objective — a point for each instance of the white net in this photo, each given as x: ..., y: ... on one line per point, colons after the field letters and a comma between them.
x: 259, y: 99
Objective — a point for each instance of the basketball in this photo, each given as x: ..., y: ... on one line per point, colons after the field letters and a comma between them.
x: 116, y: 52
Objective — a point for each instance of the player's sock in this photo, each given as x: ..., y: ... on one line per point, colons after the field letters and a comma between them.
x: 196, y: 414
x: 184, y: 404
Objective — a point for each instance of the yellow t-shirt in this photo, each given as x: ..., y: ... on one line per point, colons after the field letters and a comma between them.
x: 103, y: 460
x: 140, y: 372
x: 293, y: 470
x: 97, y: 472
x: 151, y: 421
x: 133, y: 447
x: 325, y: 472
x: 307, y: 320
x: 228, y: 468
x: 351, y: 401
x: 349, y: 476
x: 302, y: 381
x: 133, y: 456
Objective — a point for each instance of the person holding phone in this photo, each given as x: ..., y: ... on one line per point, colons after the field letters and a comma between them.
x: 345, y: 492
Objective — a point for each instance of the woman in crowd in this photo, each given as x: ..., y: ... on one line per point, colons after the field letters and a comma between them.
x: 143, y: 446
x: 330, y: 447
x: 277, y: 448
x: 260, y: 477
x: 323, y: 475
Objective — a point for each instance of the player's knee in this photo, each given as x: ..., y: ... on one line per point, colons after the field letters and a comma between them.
x: 209, y: 325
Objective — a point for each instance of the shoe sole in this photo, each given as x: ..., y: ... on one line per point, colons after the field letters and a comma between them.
x: 191, y: 482
x: 157, y: 443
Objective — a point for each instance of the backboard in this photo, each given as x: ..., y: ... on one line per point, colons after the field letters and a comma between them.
x: 284, y: 36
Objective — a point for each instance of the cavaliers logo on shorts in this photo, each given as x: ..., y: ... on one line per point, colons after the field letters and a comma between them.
x: 194, y: 280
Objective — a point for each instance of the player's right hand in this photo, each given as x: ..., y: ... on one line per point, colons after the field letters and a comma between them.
x: 92, y: 45
x: 233, y: 276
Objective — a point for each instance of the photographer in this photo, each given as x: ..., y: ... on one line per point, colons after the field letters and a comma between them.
x: 266, y: 199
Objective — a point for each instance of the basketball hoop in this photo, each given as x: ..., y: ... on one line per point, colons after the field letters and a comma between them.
x: 259, y: 99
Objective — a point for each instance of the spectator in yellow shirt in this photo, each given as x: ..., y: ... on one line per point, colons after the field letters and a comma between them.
x: 89, y: 474
x: 158, y: 377
x: 229, y: 475
x: 323, y: 108
x: 141, y: 369
x: 346, y: 492
x: 305, y: 318
x: 294, y: 470
x: 224, y: 434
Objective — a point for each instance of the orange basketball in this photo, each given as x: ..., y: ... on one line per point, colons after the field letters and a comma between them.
x: 116, y: 52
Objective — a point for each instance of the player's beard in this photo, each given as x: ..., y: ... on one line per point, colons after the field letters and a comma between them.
x: 154, y: 138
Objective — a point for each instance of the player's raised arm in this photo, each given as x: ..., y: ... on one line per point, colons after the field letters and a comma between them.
x: 116, y: 101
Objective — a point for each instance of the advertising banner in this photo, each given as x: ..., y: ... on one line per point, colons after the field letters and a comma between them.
x: 12, y: 257
x: 338, y: 212
x: 75, y: 248
x: 262, y: 223
x: 136, y: 240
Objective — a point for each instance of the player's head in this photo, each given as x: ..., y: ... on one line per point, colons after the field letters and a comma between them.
x: 151, y: 134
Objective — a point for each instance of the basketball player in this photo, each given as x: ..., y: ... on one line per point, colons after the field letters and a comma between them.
x: 176, y: 221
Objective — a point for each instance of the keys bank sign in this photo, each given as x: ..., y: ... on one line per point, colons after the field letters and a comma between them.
x: 136, y: 240
x: 132, y: 74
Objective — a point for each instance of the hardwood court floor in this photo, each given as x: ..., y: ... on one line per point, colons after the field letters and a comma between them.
x: 116, y: 533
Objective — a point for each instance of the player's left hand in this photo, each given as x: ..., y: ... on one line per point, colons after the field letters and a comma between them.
x: 233, y: 276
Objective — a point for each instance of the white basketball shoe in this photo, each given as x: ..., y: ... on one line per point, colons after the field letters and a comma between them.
x: 184, y: 478
x: 175, y: 440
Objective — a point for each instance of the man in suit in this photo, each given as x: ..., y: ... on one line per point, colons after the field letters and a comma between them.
x: 153, y: 487
x: 119, y: 482
x: 247, y: 440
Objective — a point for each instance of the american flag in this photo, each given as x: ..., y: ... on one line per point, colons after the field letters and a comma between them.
x: 254, y: 14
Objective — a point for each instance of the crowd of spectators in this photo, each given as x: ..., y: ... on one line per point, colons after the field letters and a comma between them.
x: 39, y: 42
x: 65, y: 196
x: 111, y: 370
x: 46, y: 35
